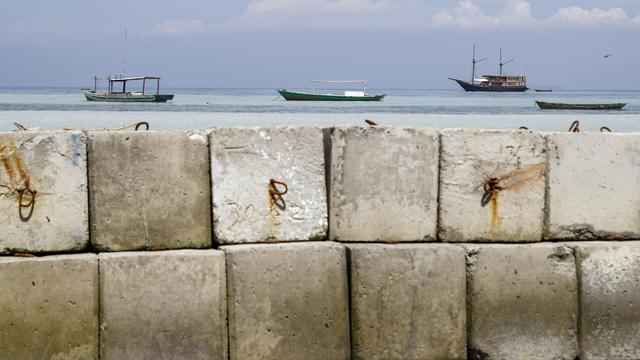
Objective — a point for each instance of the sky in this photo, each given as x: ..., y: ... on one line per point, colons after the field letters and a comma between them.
x: 394, y: 44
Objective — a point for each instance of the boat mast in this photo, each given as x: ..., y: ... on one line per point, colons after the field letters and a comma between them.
x: 124, y: 57
x: 474, y: 62
x: 503, y: 63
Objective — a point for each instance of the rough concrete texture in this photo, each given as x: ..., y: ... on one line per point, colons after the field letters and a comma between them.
x: 54, y: 166
x: 384, y: 184
x: 243, y: 163
x: 593, y: 186
x: 149, y: 190
x: 163, y: 305
x: 288, y: 301
x: 522, y: 302
x: 469, y: 158
x: 609, y: 276
x: 49, y: 307
x: 408, y: 301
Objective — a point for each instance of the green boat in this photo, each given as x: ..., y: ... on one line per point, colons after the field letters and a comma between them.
x: 347, y: 96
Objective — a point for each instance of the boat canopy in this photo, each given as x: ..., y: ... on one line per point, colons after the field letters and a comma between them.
x: 363, y: 82
x: 121, y: 80
x: 128, y: 78
x: 336, y: 81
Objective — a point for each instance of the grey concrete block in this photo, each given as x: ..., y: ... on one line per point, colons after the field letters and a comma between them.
x: 163, y: 305
x: 53, y: 164
x: 469, y: 158
x: 522, y: 302
x: 49, y: 307
x: 288, y: 301
x: 593, y: 186
x: 149, y: 190
x: 609, y: 300
x: 384, y: 184
x: 408, y: 301
x: 243, y: 163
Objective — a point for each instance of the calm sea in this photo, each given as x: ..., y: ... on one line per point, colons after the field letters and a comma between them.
x: 54, y: 108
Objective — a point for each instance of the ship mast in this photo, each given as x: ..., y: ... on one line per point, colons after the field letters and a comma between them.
x: 503, y: 63
x: 124, y: 54
x: 474, y: 62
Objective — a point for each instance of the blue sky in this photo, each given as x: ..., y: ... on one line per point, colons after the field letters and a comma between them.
x: 276, y: 43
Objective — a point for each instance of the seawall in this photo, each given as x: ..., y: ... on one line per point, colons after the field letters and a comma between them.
x: 352, y: 242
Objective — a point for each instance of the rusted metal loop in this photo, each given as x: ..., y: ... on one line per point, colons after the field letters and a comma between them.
x: 575, y: 126
x: 273, y: 189
x: 523, y: 128
x: 605, y: 129
x: 492, y: 185
x: 146, y: 124
x: 30, y: 205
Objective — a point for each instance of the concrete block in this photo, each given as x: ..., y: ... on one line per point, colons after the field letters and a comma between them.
x: 593, y: 186
x: 243, y: 162
x: 288, y: 301
x: 405, y: 305
x: 514, y: 212
x: 49, y: 307
x: 384, y: 184
x: 149, y: 190
x: 609, y: 300
x: 53, y: 164
x: 163, y: 305
x: 522, y: 302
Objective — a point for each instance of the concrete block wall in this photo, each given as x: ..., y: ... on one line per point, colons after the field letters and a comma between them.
x: 348, y: 243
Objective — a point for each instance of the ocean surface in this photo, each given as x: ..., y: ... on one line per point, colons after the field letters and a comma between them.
x: 56, y: 108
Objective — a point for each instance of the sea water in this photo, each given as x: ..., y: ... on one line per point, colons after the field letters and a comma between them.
x: 56, y: 108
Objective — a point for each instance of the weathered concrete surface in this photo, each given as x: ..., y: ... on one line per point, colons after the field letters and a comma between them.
x: 49, y: 307
x: 522, y: 302
x: 149, y: 190
x: 609, y: 276
x: 243, y: 163
x: 593, y: 186
x: 471, y: 157
x: 288, y: 301
x: 408, y: 301
x: 384, y: 183
x: 54, y: 165
x: 163, y: 305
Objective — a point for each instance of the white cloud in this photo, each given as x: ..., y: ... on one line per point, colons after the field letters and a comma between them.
x: 395, y: 14
x: 468, y: 15
x: 340, y: 14
x: 577, y: 16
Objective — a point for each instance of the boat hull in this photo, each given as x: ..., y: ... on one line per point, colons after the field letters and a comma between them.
x: 92, y: 96
x: 467, y: 86
x: 563, y: 106
x: 298, y: 96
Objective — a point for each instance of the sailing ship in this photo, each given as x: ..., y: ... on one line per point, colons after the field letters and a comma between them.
x: 493, y: 83
x: 117, y: 90
x: 347, y: 96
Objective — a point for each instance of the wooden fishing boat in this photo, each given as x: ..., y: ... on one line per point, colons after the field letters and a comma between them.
x: 543, y: 90
x: 347, y: 96
x: 565, y: 106
x: 122, y: 95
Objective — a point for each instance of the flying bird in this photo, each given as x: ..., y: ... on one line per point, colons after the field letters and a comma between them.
x: 607, y: 56
x: 369, y: 122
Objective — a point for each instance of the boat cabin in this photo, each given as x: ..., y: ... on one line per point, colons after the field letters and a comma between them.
x: 505, y: 80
